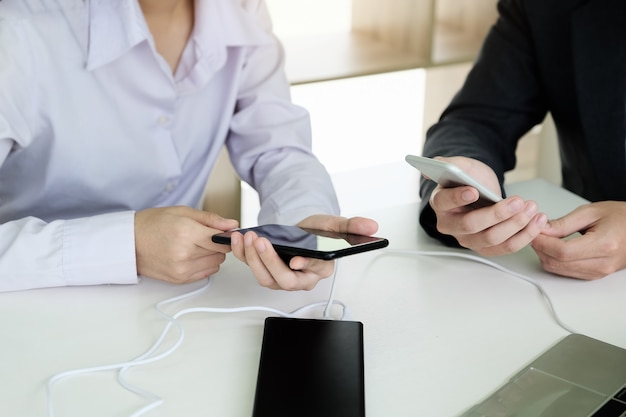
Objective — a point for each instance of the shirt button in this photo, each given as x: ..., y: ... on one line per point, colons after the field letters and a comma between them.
x: 169, y: 187
x: 163, y: 120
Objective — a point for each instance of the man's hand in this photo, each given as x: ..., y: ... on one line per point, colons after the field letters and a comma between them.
x: 301, y: 273
x: 599, y: 250
x: 174, y: 243
x: 502, y: 228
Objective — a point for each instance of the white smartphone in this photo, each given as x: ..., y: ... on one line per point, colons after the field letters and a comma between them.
x: 450, y: 175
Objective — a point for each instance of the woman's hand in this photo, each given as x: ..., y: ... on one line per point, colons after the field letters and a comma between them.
x: 301, y: 273
x: 174, y: 243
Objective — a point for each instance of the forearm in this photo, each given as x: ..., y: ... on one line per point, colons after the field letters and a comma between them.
x: 294, y: 189
x: 270, y: 144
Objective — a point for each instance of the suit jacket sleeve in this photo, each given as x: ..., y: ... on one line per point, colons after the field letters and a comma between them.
x: 501, y: 99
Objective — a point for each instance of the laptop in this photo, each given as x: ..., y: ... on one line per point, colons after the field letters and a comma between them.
x: 577, y: 377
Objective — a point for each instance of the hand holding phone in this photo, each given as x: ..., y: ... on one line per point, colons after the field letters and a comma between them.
x: 517, y: 225
x: 289, y: 241
x: 449, y: 175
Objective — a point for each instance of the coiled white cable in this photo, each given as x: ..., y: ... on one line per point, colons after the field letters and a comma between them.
x: 149, y: 356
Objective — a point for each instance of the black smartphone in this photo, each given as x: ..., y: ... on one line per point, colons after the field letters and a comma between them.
x: 292, y: 241
x: 310, y: 368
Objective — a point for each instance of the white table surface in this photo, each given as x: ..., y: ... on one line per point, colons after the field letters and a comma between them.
x: 440, y: 333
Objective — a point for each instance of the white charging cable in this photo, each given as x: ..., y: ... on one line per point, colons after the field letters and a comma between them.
x: 484, y: 261
x: 150, y: 355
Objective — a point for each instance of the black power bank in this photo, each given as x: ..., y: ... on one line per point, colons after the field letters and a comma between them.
x: 310, y: 368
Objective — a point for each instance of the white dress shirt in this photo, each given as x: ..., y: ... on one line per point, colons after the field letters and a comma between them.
x: 94, y: 126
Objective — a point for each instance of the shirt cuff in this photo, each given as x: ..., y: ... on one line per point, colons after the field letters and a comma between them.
x: 100, y: 250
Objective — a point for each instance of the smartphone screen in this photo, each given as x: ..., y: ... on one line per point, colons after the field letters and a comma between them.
x: 298, y: 241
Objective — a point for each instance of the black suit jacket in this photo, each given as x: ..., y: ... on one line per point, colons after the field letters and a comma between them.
x: 567, y: 57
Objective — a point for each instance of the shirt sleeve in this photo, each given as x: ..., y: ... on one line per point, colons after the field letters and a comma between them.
x: 501, y: 99
x: 270, y: 140
x: 86, y: 251
x: 35, y: 253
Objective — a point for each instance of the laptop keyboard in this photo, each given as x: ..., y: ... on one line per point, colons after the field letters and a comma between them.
x: 615, y: 407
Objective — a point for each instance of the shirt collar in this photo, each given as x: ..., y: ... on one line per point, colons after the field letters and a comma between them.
x: 116, y: 26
